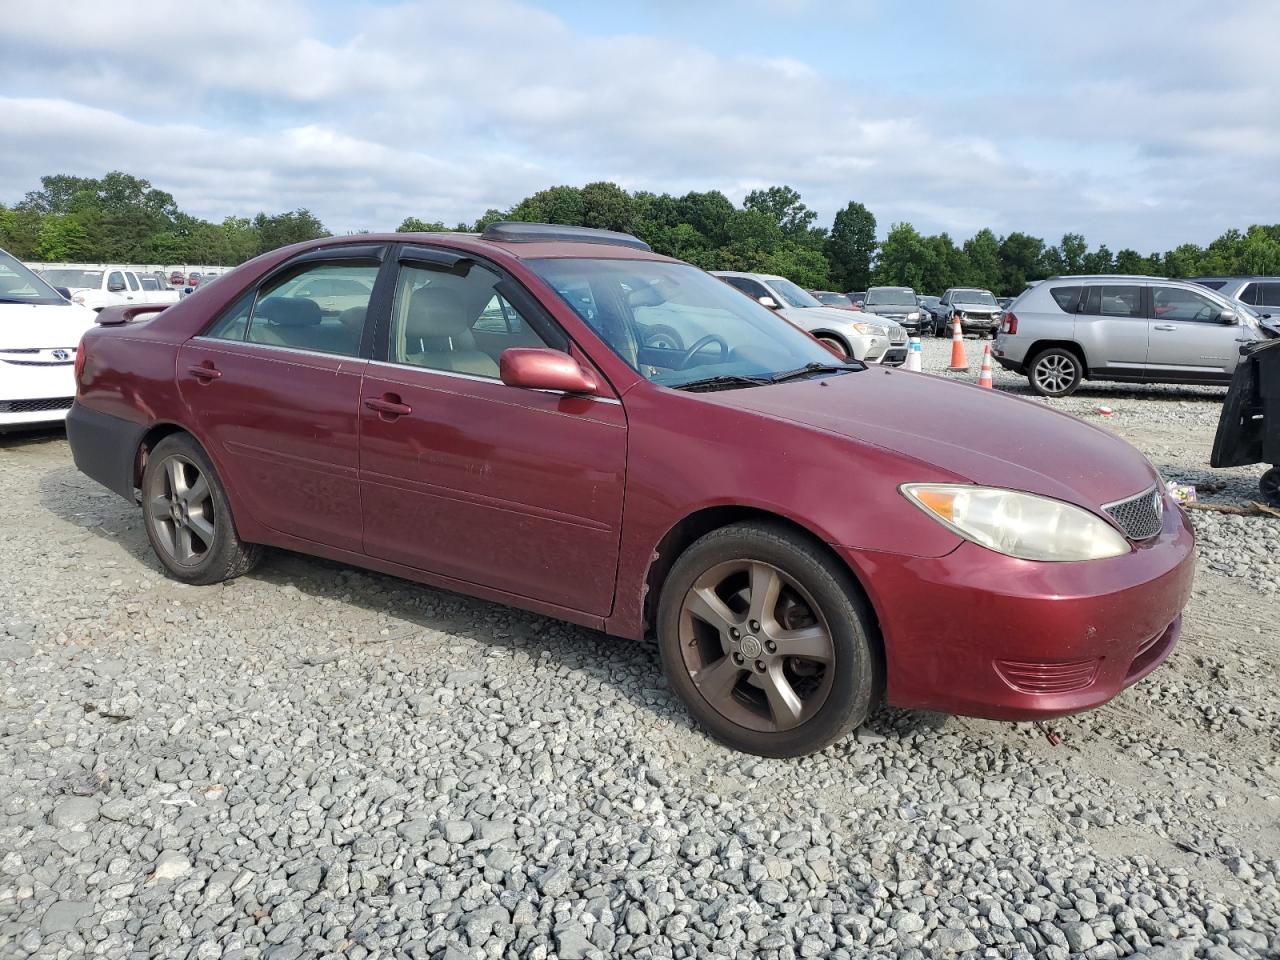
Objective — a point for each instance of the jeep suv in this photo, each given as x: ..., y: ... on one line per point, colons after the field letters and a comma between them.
x: 1128, y: 328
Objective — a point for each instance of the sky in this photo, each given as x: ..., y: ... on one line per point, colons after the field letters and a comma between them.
x: 1136, y: 123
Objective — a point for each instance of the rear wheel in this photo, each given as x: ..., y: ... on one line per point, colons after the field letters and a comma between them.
x: 188, y: 517
x: 766, y: 639
x: 1269, y: 486
x: 1055, y: 372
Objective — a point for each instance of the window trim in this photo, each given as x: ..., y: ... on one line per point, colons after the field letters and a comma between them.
x: 1151, y: 306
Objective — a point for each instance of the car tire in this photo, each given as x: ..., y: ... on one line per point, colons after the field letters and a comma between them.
x: 1269, y: 486
x: 1055, y: 372
x: 835, y: 343
x: 733, y: 671
x: 188, y: 517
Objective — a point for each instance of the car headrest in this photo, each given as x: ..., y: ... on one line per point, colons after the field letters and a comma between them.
x: 646, y: 296
x: 435, y: 312
x: 290, y: 311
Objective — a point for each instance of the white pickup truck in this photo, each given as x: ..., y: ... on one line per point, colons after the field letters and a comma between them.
x: 110, y: 286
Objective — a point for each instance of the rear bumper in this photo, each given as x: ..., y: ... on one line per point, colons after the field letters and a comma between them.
x: 980, y: 634
x: 105, y: 448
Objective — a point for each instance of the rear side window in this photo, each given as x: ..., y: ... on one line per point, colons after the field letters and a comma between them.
x: 1270, y: 295
x: 307, y: 310
x: 133, y: 281
x: 1249, y: 294
x: 1115, y: 300
x: 1067, y: 298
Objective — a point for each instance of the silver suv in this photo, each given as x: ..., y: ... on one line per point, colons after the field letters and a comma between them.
x: 1136, y: 329
x: 869, y: 339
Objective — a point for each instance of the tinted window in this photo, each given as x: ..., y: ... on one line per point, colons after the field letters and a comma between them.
x: 1249, y: 294
x: 115, y: 280
x: 460, y: 324
x: 793, y: 295
x: 132, y: 280
x: 1067, y: 298
x: 750, y: 287
x: 1270, y: 295
x: 1115, y: 301
x: 285, y: 316
x: 1212, y: 284
x: 1173, y: 303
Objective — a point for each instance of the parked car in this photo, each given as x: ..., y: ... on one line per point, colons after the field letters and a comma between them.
x: 857, y: 297
x: 493, y: 423
x: 932, y: 311
x: 866, y: 339
x: 107, y: 287
x: 1128, y: 328
x: 1004, y: 302
x: 1260, y: 293
x: 156, y: 289
x: 40, y: 330
x: 829, y: 298
x: 895, y: 305
x: 977, y: 311
x: 177, y: 279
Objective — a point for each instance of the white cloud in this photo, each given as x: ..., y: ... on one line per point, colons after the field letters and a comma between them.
x: 1142, y: 133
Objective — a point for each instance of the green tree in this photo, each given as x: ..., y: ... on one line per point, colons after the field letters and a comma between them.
x: 1068, y: 256
x: 606, y: 206
x: 784, y: 207
x: 850, y: 247
x: 982, y: 254
x: 1100, y: 260
x: 905, y: 258
x: 414, y: 225
x: 553, y: 205
x: 1021, y: 259
x: 287, y: 228
x: 64, y: 237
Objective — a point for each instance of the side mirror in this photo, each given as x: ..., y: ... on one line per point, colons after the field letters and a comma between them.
x: 116, y: 286
x: 64, y: 292
x: 539, y: 368
x: 769, y: 302
x: 1227, y: 316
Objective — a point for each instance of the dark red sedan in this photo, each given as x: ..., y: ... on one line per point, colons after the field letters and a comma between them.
x: 560, y: 419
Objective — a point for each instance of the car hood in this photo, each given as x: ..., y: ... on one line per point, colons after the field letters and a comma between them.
x: 891, y: 309
x: 976, y: 307
x: 26, y: 326
x: 983, y: 437
x: 810, y: 317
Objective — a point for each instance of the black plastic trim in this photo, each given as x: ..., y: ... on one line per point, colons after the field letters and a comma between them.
x: 517, y: 231
x: 104, y: 447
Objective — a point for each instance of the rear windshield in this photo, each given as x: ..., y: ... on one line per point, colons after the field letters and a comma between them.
x: 1068, y: 298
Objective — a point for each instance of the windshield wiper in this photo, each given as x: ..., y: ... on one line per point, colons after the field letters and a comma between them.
x: 17, y: 300
x: 812, y: 368
x: 725, y: 381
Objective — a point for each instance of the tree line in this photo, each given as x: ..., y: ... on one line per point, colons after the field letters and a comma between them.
x: 122, y: 218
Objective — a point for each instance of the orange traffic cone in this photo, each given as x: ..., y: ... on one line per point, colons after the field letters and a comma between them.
x: 984, y: 374
x: 958, y: 360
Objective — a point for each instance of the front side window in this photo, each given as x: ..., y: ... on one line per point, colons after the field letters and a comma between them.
x: 792, y: 295
x: 133, y: 281
x: 674, y: 324
x: 115, y: 281
x: 457, y: 323
x: 1174, y: 303
x: 752, y: 288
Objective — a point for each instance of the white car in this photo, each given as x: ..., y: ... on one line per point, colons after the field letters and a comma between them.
x: 866, y: 338
x: 40, y: 331
x: 108, y: 287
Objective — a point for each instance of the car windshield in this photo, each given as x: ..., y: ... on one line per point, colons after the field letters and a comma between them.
x: 835, y: 300
x: 974, y: 296
x: 793, y: 295
x: 929, y: 301
x: 891, y: 298
x: 75, y: 279
x: 675, y: 325
x: 18, y: 284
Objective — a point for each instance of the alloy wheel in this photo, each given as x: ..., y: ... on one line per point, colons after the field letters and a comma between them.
x: 180, y: 510
x: 1055, y: 373
x: 756, y: 646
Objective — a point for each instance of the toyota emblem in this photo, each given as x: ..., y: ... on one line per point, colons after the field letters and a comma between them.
x: 61, y: 355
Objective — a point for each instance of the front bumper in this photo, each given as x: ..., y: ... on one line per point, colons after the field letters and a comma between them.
x: 980, y: 634
x: 34, y: 390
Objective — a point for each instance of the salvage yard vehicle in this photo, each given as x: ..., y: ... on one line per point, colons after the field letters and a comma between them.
x: 1128, y: 328
x: 107, y: 287
x: 862, y: 338
x: 896, y: 305
x: 977, y: 310
x: 491, y: 421
x: 39, y: 332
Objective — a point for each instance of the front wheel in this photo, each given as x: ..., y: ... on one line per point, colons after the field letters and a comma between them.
x: 188, y: 517
x: 836, y: 345
x: 766, y: 639
x: 1055, y: 372
x: 1269, y: 486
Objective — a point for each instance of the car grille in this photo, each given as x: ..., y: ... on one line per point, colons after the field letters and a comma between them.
x: 36, y: 406
x: 1139, y: 517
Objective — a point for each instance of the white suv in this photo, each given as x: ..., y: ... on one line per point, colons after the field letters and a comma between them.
x: 862, y: 337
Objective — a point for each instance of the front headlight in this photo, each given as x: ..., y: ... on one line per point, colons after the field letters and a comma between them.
x: 960, y: 314
x: 913, y: 316
x: 1018, y: 524
x: 869, y: 329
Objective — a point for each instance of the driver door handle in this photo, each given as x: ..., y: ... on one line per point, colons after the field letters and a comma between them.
x: 1164, y: 326
x: 388, y: 405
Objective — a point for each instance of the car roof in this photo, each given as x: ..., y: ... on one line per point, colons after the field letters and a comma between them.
x: 517, y: 249
x: 887, y: 287
x: 1252, y: 276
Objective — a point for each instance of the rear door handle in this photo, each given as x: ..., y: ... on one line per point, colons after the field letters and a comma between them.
x: 388, y: 405
x: 204, y: 372
x: 1164, y: 326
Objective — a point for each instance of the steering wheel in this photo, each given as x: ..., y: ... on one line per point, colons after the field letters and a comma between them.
x: 708, y: 339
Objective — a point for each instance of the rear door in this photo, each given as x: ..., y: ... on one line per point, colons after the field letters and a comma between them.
x: 1112, y: 328
x: 465, y: 477
x: 274, y: 384
x: 1187, y: 339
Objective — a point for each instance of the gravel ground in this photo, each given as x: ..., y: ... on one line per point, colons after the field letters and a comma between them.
x: 315, y: 761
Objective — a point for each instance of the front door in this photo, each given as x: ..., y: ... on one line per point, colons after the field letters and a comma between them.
x: 1188, y: 341
x: 462, y: 476
x: 1112, y: 328
x: 275, y: 386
